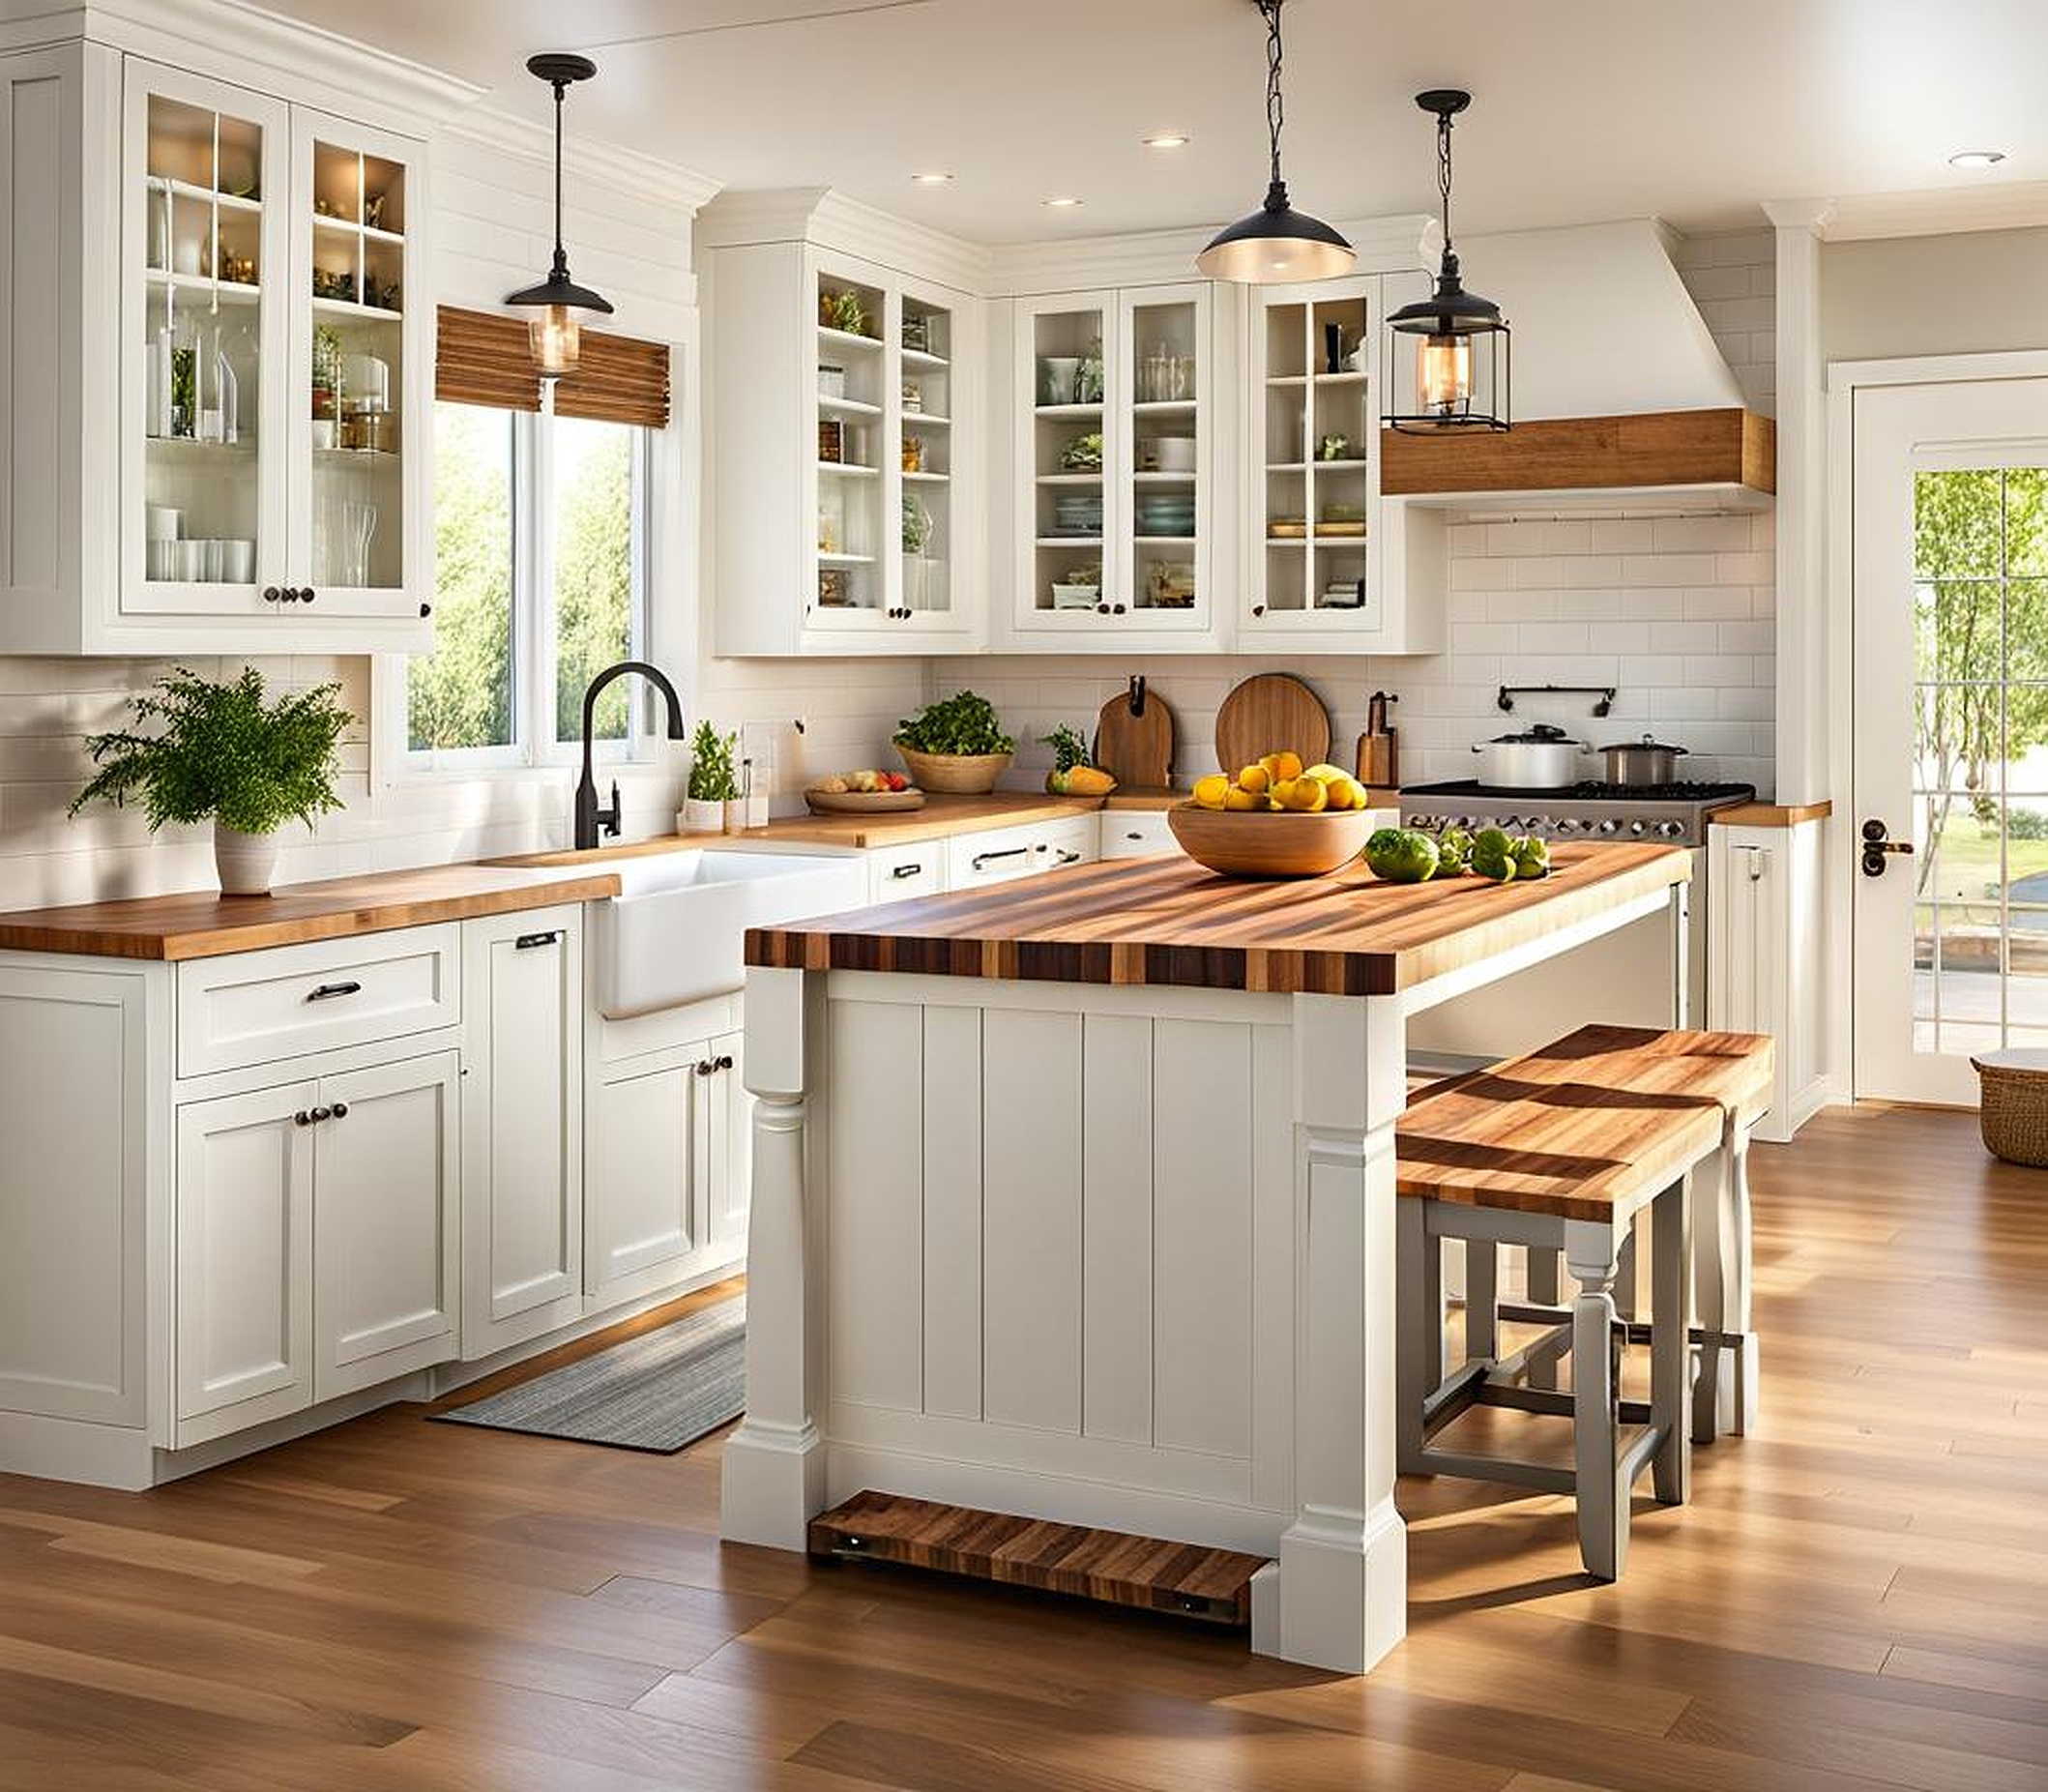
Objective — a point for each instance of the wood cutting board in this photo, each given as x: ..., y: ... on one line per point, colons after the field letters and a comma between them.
x: 1136, y: 748
x: 1271, y: 712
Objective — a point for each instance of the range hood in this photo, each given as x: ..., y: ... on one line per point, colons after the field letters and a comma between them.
x: 1620, y: 390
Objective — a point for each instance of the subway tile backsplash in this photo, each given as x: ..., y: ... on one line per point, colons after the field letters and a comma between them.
x: 1675, y: 612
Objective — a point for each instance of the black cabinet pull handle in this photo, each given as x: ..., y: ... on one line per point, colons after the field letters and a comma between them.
x: 1258, y: 609
x: 319, y: 1114
x: 724, y: 1064
x: 906, y: 871
x: 526, y: 941
x: 328, y: 991
x: 426, y: 610
x: 705, y: 1067
x: 981, y: 859
x: 1068, y: 858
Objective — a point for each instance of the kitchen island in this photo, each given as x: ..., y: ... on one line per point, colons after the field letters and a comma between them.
x: 1076, y: 1202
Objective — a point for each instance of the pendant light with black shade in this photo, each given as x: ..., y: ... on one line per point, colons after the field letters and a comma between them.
x: 1276, y: 243
x: 555, y: 334
x: 1451, y: 324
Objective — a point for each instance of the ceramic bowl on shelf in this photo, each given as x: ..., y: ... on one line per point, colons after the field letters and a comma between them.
x: 1075, y: 597
x: 955, y: 775
x: 1264, y: 843
x: 862, y: 801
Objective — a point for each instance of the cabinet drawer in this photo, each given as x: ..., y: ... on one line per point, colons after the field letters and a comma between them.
x: 1074, y: 841
x: 258, y: 1007
x: 897, y: 873
x: 1136, y: 834
x: 974, y: 860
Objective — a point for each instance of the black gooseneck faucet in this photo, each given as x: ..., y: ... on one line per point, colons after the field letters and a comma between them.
x: 591, y: 819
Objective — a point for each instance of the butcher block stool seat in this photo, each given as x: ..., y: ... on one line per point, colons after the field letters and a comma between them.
x: 1561, y: 1149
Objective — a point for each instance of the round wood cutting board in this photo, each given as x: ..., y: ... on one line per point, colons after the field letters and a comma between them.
x: 1271, y: 712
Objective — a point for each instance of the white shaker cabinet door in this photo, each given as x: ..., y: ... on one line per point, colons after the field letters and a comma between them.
x: 522, y: 1129
x: 386, y: 1151
x: 729, y: 1113
x: 648, y: 1161
x: 244, y: 1254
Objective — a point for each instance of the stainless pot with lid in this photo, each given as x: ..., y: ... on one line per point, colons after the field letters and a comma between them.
x: 1543, y: 757
x: 1646, y: 761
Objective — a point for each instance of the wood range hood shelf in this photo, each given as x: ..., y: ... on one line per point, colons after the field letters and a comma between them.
x: 1730, y: 452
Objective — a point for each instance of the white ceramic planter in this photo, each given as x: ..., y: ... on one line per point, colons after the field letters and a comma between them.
x: 702, y: 816
x: 246, y: 863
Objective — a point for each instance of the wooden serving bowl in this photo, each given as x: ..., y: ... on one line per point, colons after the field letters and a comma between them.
x: 955, y: 775
x: 1264, y: 843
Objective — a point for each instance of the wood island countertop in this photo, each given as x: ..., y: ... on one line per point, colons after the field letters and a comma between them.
x: 1168, y: 921
x: 204, y: 923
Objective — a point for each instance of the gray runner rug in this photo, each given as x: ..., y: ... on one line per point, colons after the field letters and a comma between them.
x: 657, y: 1392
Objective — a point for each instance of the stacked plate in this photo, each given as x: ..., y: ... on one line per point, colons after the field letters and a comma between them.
x: 1078, y: 512
x: 1167, y: 513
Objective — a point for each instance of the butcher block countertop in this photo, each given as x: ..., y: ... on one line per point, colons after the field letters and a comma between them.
x: 940, y: 817
x: 207, y: 924
x: 1167, y: 920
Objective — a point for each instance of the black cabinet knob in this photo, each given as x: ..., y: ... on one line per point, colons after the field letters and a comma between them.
x: 307, y: 593
x: 272, y: 594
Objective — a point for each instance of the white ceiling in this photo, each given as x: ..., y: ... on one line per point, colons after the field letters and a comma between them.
x: 1585, y: 109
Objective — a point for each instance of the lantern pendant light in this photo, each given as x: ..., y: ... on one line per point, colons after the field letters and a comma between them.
x: 1276, y: 243
x: 554, y: 333
x: 1452, y: 323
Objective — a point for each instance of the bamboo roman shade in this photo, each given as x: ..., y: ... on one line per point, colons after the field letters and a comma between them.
x: 481, y: 358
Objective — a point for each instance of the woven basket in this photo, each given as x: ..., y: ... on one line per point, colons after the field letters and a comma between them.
x: 2013, y: 1110
x: 956, y: 775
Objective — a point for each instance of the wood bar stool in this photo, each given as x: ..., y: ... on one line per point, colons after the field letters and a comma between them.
x: 1559, y: 1151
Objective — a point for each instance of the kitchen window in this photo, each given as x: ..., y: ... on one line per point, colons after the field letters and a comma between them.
x: 541, y: 582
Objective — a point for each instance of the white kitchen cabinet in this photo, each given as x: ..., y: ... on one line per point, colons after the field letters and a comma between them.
x: 648, y: 1156
x: 1003, y: 855
x: 845, y: 440
x: 729, y: 1138
x: 159, y: 284
x: 1113, y: 393
x: 244, y: 1251
x: 897, y: 873
x: 1762, y: 973
x: 1135, y: 834
x: 522, y: 1127
x: 386, y: 1222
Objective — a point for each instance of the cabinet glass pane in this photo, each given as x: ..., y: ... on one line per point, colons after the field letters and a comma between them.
x: 205, y: 284
x: 1319, y: 412
x: 853, y: 370
x: 1067, y: 433
x: 1165, y: 374
x: 924, y: 453
x: 359, y: 274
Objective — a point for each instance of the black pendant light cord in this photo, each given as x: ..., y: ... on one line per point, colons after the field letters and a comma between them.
x: 561, y: 266
x: 1275, y: 96
x: 1444, y: 171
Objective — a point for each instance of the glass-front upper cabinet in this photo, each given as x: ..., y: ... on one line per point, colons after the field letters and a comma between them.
x: 1065, y: 420
x: 926, y: 349
x: 204, y: 520
x: 1314, y: 411
x: 358, y: 366
x: 1165, y: 378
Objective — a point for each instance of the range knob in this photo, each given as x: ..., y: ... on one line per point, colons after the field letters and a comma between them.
x: 1568, y: 826
x: 1610, y: 826
x: 1638, y: 829
x: 1539, y: 824
x: 1463, y: 821
x: 1669, y: 830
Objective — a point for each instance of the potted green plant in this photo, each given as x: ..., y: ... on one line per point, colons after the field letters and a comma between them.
x: 713, y: 782
x: 221, y: 753
x: 955, y: 746
x: 917, y: 532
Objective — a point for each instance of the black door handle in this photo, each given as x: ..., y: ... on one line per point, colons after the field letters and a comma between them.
x: 1878, y: 847
x: 526, y: 941
x: 328, y: 991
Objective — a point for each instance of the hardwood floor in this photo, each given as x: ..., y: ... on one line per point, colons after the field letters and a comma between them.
x: 1857, y: 1596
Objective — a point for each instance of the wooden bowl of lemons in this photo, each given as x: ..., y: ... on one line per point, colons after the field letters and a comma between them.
x: 1274, y: 819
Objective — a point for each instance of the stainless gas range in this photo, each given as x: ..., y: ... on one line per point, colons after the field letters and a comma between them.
x: 1588, y: 811
x: 1623, y: 977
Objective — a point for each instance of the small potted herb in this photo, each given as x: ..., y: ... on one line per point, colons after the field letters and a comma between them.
x: 955, y: 746
x: 713, y: 784
x: 220, y: 753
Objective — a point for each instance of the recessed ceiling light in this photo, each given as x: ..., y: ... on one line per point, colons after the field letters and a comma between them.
x: 1062, y: 203
x: 1167, y: 140
x: 933, y: 179
x: 1976, y: 159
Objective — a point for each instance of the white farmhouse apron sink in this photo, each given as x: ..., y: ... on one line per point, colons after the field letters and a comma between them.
x: 677, y: 930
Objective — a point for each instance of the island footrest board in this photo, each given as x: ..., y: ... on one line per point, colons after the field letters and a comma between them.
x: 1108, y: 1565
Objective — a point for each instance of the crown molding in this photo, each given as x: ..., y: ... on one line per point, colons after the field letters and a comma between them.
x: 1400, y: 244
x: 627, y: 171
x: 1814, y: 215
x: 1937, y: 211
x: 246, y: 43
x: 828, y: 219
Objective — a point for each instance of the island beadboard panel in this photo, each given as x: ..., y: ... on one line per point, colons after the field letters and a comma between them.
x: 1168, y: 922
x: 1589, y: 1119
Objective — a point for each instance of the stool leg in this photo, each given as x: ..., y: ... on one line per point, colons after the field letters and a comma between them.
x: 1417, y: 1363
x: 1591, y: 1250
x: 1544, y: 1283
x: 1725, y: 1398
x: 1671, y: 1342
x: 1482, y: 1337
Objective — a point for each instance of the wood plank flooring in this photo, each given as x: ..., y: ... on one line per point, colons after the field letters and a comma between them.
x: 1858, y: 1597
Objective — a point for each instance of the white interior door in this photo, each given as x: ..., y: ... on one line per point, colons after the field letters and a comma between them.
x: 1951, y: 779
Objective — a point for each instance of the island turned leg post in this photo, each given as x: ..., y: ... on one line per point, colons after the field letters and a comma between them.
x: 1339, y: 1596
x: 1591, y: 1250
x: 1726, y: 1398
x: 774, y: 1479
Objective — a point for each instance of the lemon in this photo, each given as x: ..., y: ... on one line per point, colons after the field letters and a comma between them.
x: 1328, y: 773
x: 1340, y: 792
x: 1210, y: 792
x: 1237, y: 797
x: 1256, y: 779
x: 1307, y: 795
x: 1282, y: 766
